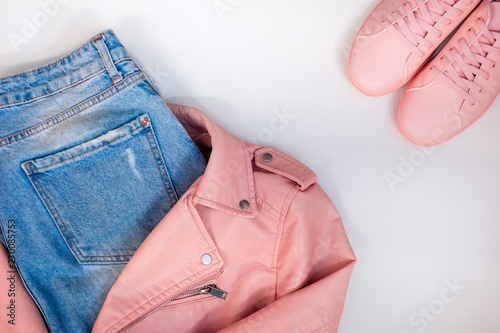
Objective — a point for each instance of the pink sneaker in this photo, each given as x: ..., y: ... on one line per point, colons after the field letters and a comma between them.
x: 398, y: 37
x: 459, y: 85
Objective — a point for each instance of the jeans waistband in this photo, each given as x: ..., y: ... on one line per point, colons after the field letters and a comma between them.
x: 98, y: 54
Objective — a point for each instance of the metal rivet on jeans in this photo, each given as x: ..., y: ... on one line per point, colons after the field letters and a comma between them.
x: 244, y: 204
x: 267, y: 157
x: 144, y: 121
x: 206, y: 258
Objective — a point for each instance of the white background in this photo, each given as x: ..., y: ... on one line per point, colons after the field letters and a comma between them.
x: 243, y: 65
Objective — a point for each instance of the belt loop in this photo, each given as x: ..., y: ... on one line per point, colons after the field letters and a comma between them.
x: 98, y: 42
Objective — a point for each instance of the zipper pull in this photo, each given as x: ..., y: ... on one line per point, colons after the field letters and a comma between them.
x: 212, y: 290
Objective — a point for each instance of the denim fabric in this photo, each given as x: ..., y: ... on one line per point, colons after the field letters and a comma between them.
x: 91, y: 159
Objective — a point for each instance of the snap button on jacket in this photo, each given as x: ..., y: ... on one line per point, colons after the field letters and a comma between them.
x: 256, y: 229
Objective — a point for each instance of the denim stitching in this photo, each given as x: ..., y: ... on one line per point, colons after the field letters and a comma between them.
x: 159, y: 170
x: 19, y: 133
x: 52, y: 205
x: 168, y: 176
x: 72, y: 109
x: 69, y: 234
x: 66, y: 86
x: 55, y: 91
x: 153, y: 136
x: 137, y: 128
x: 105, y: 58
x: 85, y: 152
x: 148, y: 78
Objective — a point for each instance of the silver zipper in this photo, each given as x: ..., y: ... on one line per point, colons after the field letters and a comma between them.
x: 209, y: 289
x: 195, y: 290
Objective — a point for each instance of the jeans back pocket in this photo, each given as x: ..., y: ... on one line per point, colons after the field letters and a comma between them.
x: 107, y: 194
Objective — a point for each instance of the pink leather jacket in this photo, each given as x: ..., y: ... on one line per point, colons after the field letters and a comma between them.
x: 255, y: 245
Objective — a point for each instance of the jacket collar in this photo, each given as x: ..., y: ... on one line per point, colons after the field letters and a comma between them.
x: 228, y: 179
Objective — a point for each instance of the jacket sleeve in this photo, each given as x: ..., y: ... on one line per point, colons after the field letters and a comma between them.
x: 313, y: 267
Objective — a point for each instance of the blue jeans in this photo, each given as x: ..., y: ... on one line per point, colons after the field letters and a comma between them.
x: 91, y: 159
